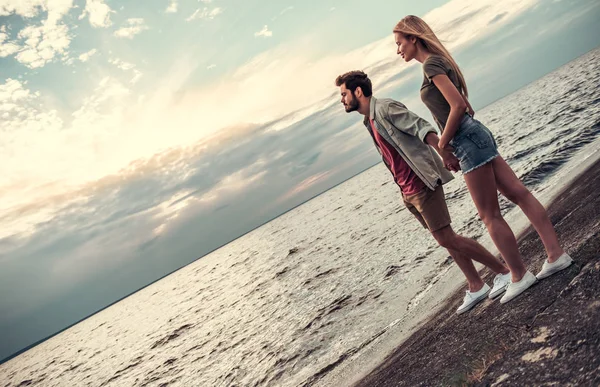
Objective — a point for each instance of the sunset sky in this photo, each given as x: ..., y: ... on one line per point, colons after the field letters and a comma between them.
x: 137, y: 136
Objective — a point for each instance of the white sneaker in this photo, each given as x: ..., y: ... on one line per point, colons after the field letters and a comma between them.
x: 515, y: 288
x: 472, y: 298
x: 548, y: 268
x: 501, y: 281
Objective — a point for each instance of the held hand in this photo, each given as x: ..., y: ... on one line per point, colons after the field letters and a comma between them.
x: 451, y: 162
x: 444, y: 144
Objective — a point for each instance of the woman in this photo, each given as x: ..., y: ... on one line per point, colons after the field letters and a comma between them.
x: 445, y: 93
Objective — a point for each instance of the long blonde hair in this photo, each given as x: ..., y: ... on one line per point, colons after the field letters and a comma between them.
x: 415, y: 26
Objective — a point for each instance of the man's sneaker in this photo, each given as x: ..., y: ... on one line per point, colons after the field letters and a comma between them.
x: 472, y: 298
x: 548, y: 268
x: 501, y: 281
x: 515, y: 288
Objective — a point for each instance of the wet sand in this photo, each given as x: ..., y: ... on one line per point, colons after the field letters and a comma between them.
x: 549, y: 335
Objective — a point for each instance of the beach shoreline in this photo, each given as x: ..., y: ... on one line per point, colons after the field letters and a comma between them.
x: 550, y: 334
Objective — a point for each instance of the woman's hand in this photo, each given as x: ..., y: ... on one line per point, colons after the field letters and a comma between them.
x: 444, y: 144
x: 450, y: 161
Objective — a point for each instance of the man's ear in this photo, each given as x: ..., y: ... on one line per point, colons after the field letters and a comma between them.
x: 358, y: 92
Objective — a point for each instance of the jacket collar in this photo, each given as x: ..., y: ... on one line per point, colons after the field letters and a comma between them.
x: 371, y: 111
x: 372, y: 107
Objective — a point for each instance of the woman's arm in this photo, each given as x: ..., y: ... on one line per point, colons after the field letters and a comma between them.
x: 457, y: 104
x: 469, y: 107
x: 450, y: 161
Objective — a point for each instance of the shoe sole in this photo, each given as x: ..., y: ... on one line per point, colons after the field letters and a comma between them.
x: 504, y: 301
x: 554, y: 270
x: 477, y: 301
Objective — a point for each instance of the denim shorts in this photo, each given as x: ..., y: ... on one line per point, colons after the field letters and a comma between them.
x: 473, y: 144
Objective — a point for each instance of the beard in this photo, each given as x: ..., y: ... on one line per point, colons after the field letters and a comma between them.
x: 352, y: 106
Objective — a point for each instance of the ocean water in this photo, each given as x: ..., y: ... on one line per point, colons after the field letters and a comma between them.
x: 302, y: 296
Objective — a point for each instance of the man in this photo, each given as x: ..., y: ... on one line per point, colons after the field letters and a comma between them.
x: 405, y: 142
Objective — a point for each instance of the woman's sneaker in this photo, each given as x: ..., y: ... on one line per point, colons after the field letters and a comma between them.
x: 473, y: 298
x: 548, y: 268
x: 515, y: 288
x: 501, y: 281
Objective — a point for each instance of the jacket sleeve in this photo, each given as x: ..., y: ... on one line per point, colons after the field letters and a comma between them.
x: 408, y: 122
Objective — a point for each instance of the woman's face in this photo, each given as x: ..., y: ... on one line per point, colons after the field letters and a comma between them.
x: 407, y: 49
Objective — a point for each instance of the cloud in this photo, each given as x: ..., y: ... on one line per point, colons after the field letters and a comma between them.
x: 172, y: 7
x: 121, y: 64
x: 205, y: 13
x: 458, y: 31
x: 87, y: 55
x: 26, y: 9
x: 211, y: 66
x: 264, y: 32
x: 7, y: 48
x: 283, y: 11
x: 133, y: 27
x: 126, y: 66
x: 98, y: 12
x: 286, y: 10
x: 42, y: 43
x: 37, y: 45
x: 137, y: 75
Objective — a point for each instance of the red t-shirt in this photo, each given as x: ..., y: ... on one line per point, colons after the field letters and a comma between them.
x: 405, y: 177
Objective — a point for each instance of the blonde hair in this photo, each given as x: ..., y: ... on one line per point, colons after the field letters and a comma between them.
x: 415, y: 26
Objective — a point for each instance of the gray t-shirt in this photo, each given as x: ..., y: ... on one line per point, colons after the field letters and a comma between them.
x: 431, y: 96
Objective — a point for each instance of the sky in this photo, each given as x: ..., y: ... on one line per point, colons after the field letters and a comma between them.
x: 139, y: 136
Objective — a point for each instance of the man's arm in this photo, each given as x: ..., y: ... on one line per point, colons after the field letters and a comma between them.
x: 450, y: 161
x: 408, y: 122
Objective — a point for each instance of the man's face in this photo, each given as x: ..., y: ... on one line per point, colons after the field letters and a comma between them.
x: 348, y: 99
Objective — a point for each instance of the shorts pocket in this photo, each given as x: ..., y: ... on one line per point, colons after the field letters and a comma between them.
x: 480, y: 138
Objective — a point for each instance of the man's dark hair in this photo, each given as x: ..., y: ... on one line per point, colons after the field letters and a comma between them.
x: 354, y: 79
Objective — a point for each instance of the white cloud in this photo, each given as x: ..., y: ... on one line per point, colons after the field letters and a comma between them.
x: 264, y: 32
x: 210, y: 67
x: 99, y: 13
x: 457, y: 31
x: 126, y: 66
x: 137, y: 75
x: 121, y: 64
x: 42, y: 43
x: 7, y: 48
x: 205, y: 13
x: 87, y: 55
x: 172, y: 7
x: 286, y: 10
x: 37, y: 45
x: 26, y: 9
x: 133, y: 27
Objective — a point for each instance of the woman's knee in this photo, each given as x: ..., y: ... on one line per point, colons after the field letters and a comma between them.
x: 518, y: 194
x: 490, y: 217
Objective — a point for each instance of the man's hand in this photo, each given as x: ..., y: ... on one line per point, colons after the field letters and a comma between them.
x: 450, y: 161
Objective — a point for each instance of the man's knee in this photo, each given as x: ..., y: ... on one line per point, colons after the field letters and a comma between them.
x: 445, y: 237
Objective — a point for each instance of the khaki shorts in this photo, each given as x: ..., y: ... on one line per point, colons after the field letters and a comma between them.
x: 429, y: 207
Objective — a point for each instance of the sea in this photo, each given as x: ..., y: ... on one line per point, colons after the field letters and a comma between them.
x: 323, y: 292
